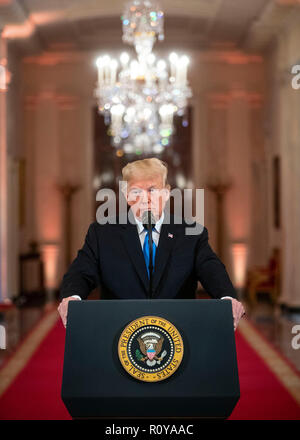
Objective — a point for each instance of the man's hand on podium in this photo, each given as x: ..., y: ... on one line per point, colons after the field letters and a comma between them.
x: 238, y: 311
x: 63, y: 308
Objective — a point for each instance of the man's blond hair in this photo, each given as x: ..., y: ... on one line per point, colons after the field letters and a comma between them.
x: 145, y: 168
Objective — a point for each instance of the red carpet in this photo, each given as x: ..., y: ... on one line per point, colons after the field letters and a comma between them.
x: 35, y: 393
x: 263, y: 397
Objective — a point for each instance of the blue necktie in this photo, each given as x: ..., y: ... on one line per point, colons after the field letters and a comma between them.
x: 146, y: 251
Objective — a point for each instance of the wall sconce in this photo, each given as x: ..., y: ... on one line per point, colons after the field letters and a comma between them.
x: 239, y: 259
x: 50, y: 255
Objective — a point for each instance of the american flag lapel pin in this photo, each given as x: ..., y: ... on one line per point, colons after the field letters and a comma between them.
x: 170, y: 235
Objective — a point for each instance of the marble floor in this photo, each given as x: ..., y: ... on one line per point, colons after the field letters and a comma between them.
x: 276, y: 326
x: 18, y: 321
x: 273, y: 323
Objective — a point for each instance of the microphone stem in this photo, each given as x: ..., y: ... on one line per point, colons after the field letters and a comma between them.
x: 150, y: 261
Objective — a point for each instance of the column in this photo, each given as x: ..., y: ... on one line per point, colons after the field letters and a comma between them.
x: 217, y: 179
x: 47, y: 174
x: 4, y: 294
x: 259, y: 253
x: 71, y: 176
x: 238, y: 200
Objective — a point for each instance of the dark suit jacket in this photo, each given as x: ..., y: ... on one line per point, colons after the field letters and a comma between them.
x: 112, y: 257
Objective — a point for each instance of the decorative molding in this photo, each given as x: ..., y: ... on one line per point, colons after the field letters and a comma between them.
x: 3, y: 186
x: 221, y: 100
x: 55, y: 58
x: 64, y: 102
x: 255, y: 100
x: 67, y: 102
x: 14, y: 19
x: 235, y: 57
x: 218, y: 100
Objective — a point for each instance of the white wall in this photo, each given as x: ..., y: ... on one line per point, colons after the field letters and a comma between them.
x: 10, y: 116
x: 285, y: 133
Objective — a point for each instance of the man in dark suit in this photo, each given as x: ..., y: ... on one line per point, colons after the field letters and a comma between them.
x: 116, y: 255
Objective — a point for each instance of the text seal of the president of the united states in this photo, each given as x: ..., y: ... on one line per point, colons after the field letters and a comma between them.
x: 150, y: 348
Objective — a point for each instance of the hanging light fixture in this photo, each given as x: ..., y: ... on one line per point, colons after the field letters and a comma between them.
x: 139, y: 97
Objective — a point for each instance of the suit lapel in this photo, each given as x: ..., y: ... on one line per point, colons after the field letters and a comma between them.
x: 130, y: 237
x: 166, y: 243
x: 167, y: 239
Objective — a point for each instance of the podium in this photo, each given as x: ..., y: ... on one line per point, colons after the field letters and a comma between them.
x: 97, y: 385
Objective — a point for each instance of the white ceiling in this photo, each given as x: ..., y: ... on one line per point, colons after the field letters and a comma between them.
x: 92, y: 24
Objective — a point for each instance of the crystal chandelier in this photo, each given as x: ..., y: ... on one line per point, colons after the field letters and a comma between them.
x: 139, y: 97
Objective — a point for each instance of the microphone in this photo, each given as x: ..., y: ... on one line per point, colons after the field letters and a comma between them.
x: 149, y: 221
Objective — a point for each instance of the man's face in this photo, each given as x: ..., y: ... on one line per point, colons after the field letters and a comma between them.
x: 148, y: 194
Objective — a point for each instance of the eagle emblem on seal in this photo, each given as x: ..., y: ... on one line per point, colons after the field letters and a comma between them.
x: 150, y: 344
x: 150, y: 348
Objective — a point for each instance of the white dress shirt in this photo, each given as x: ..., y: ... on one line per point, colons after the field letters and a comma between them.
x: 155, y: 233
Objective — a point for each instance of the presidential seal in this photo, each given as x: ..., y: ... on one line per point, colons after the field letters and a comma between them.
x: 150, y: 348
